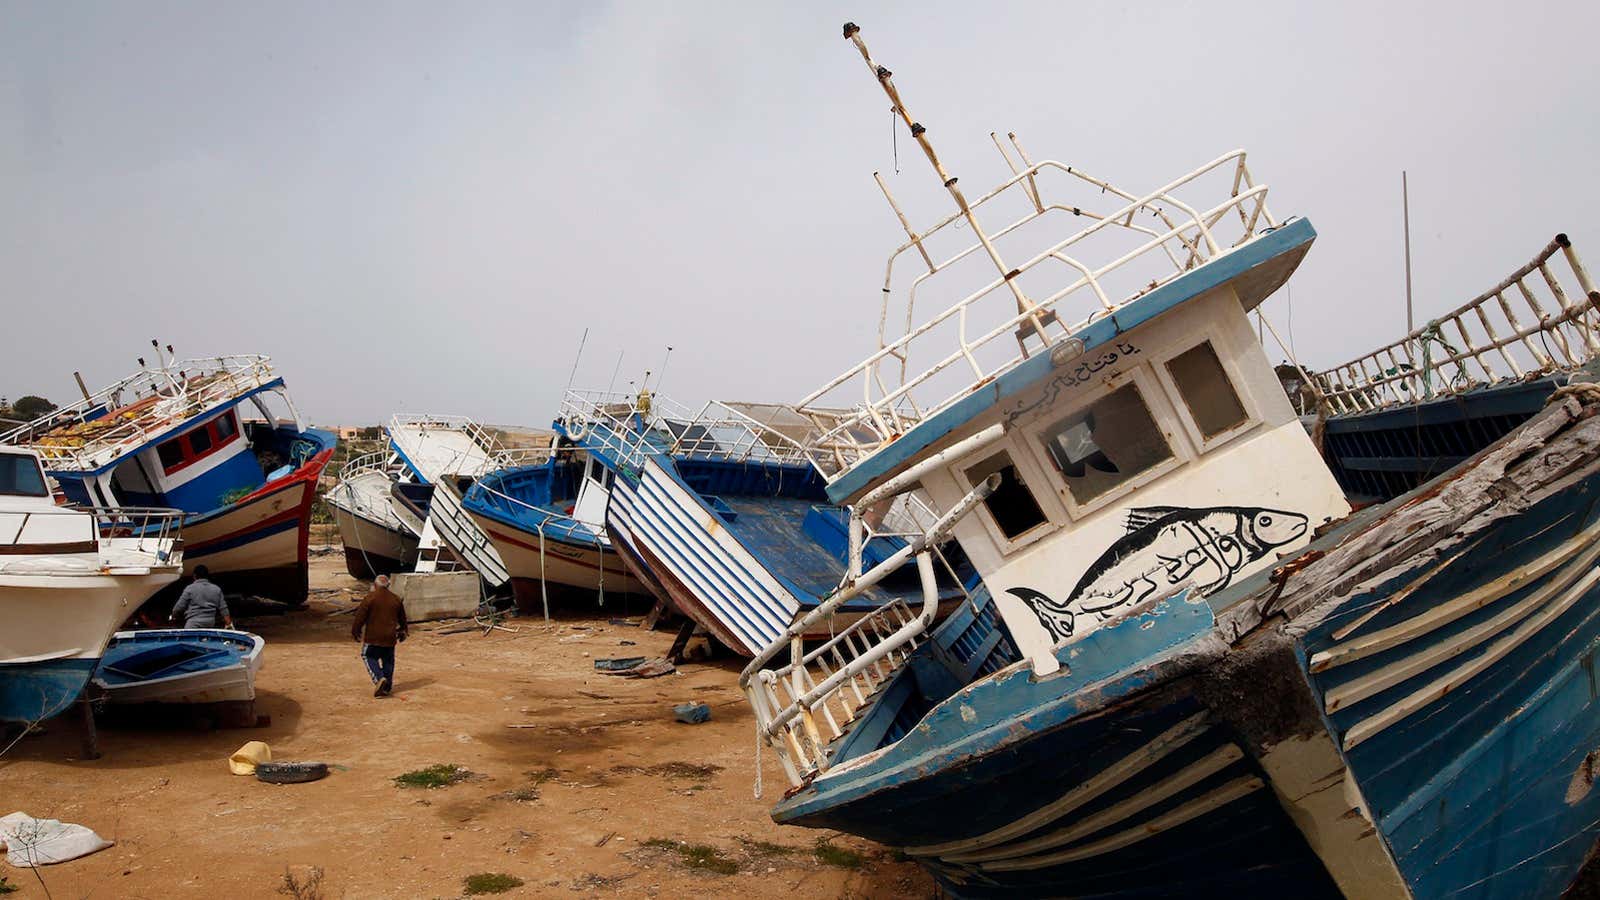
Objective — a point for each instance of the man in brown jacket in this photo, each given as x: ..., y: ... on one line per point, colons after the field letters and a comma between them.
x: 380, y: 624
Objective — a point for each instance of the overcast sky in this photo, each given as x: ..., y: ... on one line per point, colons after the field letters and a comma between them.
x: 420, y: 208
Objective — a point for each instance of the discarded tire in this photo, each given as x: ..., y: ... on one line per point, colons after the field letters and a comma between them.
x: 290, y: 772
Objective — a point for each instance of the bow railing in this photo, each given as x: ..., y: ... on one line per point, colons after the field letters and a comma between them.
x: 85, y: 435
x: 1507, y: 333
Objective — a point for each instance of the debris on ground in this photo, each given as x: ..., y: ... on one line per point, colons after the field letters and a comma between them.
x: 692, y: 713
x: 245, y: 759
x: 30, y: 842
x: 636, y: 667
x: 619, y: 664
x: 291, y: 772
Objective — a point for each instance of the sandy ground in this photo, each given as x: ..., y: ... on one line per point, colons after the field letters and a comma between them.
x: 576, y: 803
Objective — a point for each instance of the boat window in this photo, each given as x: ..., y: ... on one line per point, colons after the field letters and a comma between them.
x: 1206, y: 390
x: 171, y: 453
x: 1107, y: 444
x: 20, y: 476
x: 199, y: 441
x: 1012, y: 505
x: 226, y: 427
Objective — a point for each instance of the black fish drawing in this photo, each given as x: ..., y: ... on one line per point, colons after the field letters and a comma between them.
x: 1167, y: 546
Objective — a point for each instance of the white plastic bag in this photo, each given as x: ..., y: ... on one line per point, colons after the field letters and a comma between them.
x: 32, y: 842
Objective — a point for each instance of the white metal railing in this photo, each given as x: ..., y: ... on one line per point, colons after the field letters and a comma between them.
x: 803, y: 745
x: 87, y: 434
x: 1482, y: 342
x: 964, y: 345
x: 804, y: 706
x: 633, y: 426
x: 479, y: 435
x: 516, y: 457
x: 122, y: 535
x: 377, y: 460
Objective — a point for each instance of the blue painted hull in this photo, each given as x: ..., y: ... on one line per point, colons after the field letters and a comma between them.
x: 1480, y: 780
x: 1007, y: 748
x: 35, y: 691
x: 1486, y: 791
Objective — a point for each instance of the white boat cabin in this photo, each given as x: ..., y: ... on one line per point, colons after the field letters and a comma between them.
x: 1168, y: 459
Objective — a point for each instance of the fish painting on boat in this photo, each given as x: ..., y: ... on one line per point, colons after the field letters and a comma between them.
x: 1166, y: 548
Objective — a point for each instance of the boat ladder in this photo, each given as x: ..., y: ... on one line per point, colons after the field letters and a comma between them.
x: 805, y: 706
x: 449, y: 524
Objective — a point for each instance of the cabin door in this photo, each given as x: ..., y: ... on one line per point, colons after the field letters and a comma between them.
x: 593, y: 494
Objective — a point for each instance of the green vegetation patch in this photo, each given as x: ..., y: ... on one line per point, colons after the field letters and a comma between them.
x: 830, y: 855
x: 490, y: 883
x: 435, y: 776
x: 697, y: 856
x: 767, y: 848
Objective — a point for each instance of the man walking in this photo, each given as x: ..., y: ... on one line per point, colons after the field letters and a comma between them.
x: 201, y: 605
x: 380, y: 624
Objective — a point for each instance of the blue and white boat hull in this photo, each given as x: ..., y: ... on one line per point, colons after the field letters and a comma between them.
x: 53, y: 629
x: 180, y: 665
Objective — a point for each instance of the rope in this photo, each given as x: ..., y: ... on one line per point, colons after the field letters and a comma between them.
x: 1584, y: 392
x: 544, y: 585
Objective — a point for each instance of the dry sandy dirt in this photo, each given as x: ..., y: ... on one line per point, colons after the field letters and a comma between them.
x: 578, y: 802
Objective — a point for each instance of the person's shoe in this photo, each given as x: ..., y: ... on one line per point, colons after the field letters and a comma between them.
x: 382, y: 690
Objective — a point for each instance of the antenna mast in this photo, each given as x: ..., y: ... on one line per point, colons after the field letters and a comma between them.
x: 1405, y: 214
x: 1025, y: 307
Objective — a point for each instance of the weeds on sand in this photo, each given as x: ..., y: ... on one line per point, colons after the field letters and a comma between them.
x: 7, y: 887
x: 767, y: 848
x: 435, y: 776
x: 307, y: 888
x: 490, y: 883
x: 697, y: 856
x: 829, y: 855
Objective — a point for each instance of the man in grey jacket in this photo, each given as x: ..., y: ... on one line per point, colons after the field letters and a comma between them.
x: 201, y: 605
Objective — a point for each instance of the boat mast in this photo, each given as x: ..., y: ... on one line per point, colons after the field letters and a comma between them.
x: 1405, y: 214
x: 1025, y: 307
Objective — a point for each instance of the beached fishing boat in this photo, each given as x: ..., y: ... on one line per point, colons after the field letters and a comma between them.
x: 728, y: 519
x: 68, y: 579
x: 1217, y: 678
x: 1395, y: 417
x: 544, y: 510
x: 180, y: 665
x: 376, y: 539
x: 443, y: 456
x: 198, y: 435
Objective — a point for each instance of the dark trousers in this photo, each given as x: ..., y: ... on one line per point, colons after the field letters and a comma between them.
x: 380, y: 662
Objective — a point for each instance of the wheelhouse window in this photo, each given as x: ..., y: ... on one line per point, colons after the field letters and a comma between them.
x: 171, y: 454
x: 1109, y: 443
x: 1012, y: 506
x: 197, y: 443
x: 20, y: 476
x: 226, y: 427
x: 1206, y: 390
x: 199, y: 440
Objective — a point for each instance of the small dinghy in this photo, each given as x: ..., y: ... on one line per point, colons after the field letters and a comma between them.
x: 180, y: 665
